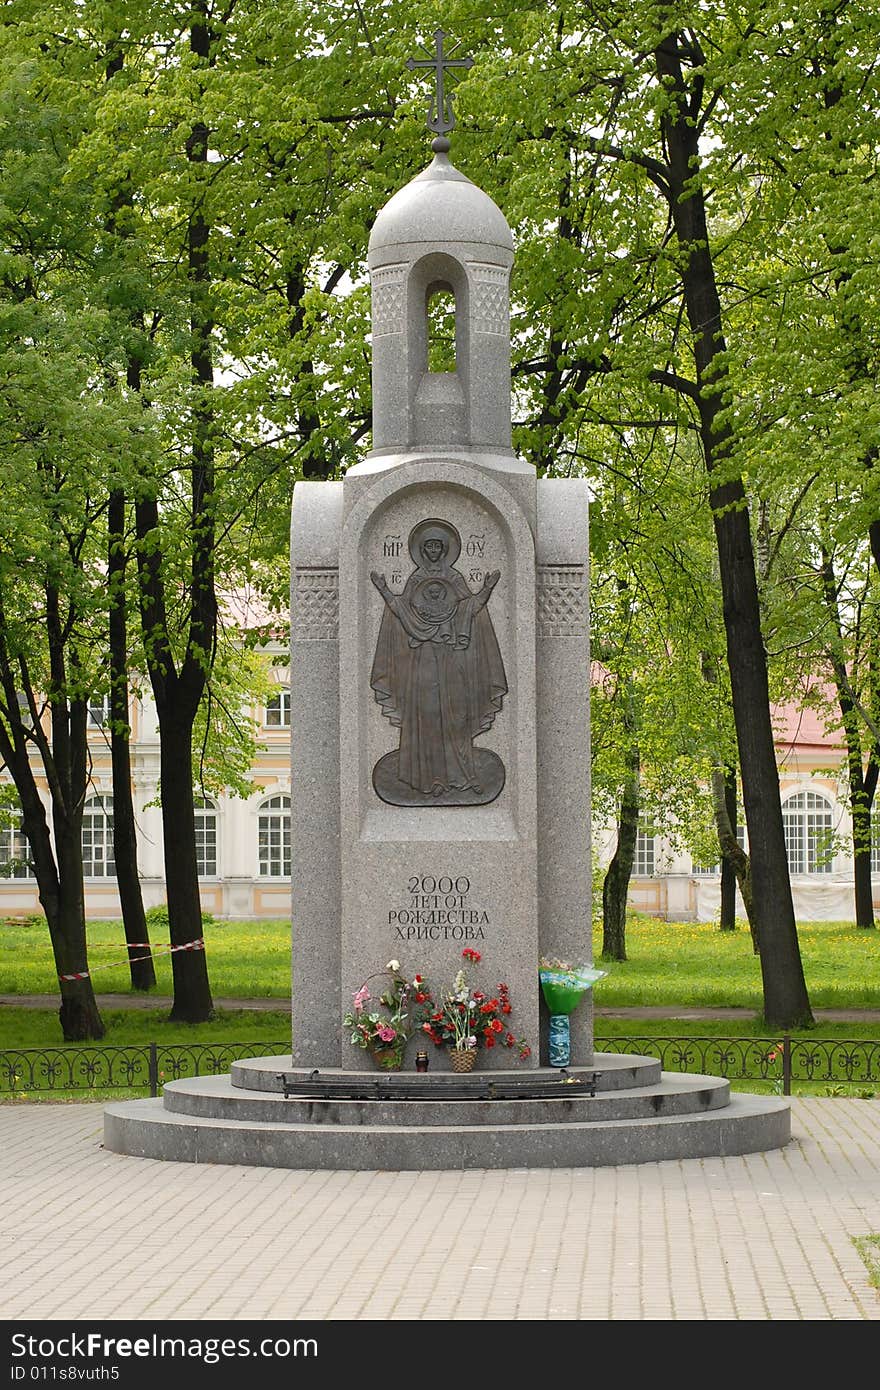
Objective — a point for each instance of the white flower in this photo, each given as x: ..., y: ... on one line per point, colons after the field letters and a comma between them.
x: 393, y: 965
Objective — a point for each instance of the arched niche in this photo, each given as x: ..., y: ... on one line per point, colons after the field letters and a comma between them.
x: 439, y: 398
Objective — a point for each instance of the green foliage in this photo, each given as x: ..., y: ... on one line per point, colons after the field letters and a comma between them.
x: 225, y: 732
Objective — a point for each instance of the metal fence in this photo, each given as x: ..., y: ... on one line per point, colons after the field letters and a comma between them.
x: 144, y: 1066
x: 32, y: 1071
x: 833, y: 1061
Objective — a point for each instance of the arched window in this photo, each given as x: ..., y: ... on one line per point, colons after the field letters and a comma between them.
x: 206, y: 838
x: 15, y: 852
x: 278, y: 710
x: 274, y: 837
x: 808, y: 822
x: 97, y: 838
x: 441, y: 328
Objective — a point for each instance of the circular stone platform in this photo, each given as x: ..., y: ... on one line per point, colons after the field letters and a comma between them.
x: 265, y: 1113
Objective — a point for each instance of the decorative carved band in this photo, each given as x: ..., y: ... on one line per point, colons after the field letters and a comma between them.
x: 315, y: 616
x: 389, y: 299
x: 562, y: 601
x: 489, y: 298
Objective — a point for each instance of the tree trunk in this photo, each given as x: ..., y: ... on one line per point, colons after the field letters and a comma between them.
x: 727, y: 920
x: 864, y: 890
x: 79, y: 1016
x: 134, y: 919
x: 786, y: 1002
x: 731, y: 849
x: 615, y: 887
x: 192, y: 991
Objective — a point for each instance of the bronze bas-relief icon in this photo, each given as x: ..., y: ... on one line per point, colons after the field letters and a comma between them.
x: 439, y: 678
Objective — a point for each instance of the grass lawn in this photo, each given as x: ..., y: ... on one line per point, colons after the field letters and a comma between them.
x: 245, y: 959
x: 24, y: 1027
x: 688, y: 964
x: 694, y: 964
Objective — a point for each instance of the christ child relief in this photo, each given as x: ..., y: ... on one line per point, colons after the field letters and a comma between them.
x: 438, y: 677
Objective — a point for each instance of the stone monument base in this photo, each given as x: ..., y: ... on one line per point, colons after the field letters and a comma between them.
x: 265, y: 1114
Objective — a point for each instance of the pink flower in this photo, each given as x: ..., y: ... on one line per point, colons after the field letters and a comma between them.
x: 361, y: 998
x: 386, y: 1034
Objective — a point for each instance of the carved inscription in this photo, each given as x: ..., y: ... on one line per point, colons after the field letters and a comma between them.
x: 438, y: 908
x: 437, y: 674
x: 474, y: 549
x: 315, y: 616
x: 562, y: 601
x: 392, y: 546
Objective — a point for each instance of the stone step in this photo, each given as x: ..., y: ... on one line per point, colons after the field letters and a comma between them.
x: 747, y: 1124
x: 612, y: 1072
x: 678, y: 1094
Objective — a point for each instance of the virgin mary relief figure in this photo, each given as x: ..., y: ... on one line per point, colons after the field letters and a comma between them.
x: 439, y: 678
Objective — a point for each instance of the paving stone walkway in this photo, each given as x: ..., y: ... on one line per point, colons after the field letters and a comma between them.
x: 90, y: 1234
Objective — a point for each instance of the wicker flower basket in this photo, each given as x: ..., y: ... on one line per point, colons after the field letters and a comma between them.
x: 463, y: 1058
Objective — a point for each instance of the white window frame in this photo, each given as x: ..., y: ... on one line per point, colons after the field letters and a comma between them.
x: 807, y: 818
x: 14, y: 845
x: 645, y: 856
x: 207, y: 837
x: 98, y: 715
x: 875, y: 840
x: 97, y: 828
x: 273, y: 838
x: 278, y: 705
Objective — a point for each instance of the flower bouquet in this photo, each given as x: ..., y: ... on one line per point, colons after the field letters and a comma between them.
x: 465, y: 1018
x: 564, y: 986
x: 383, y: 1034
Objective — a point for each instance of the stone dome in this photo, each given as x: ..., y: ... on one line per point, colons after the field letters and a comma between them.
x: 440, y: 204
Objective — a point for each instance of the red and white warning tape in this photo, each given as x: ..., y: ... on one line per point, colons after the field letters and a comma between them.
x: 197, y: 945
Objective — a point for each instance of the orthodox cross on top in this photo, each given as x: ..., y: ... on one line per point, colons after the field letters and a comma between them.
x: 440, y: 117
